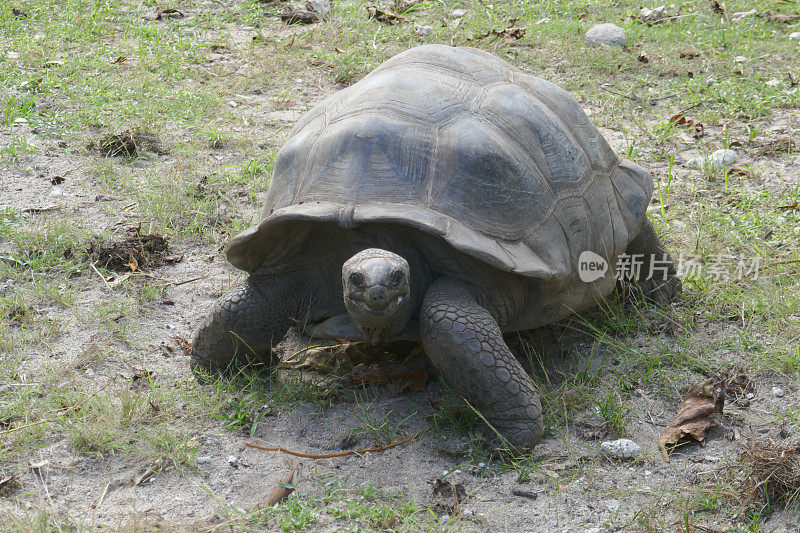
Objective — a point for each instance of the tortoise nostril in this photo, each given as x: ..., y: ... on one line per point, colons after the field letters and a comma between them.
x: 377, y: 295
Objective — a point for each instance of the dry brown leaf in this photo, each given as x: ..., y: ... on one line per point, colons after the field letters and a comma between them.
x: 738, y: 171
x: 448, y: 496
x: 680, y: 118
x: 508, y: 33
x: 300, y: 16
x: 185, y: 344
x: 688, y: 54
x: 8, y: 481
x: 404, y: 5
x: 701, y: 409
x: 788, y: 207
x: 162, y: 13
x: 383, y: 15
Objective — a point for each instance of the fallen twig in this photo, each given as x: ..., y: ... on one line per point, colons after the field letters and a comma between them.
x: 184, y: 282
x: 283, y: 490
x: 329, y: 455
x: 101, y: 276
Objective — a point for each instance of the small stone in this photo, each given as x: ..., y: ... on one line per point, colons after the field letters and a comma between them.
x: 719, y: 159
x: 56, y: 192
x: 741, y: 15
x: 544, y: 20
x: 323, y: 7
x: 723, y: 157
x: 233, y: 103
x: 652, y: 15
x: 740, y: 59
x: 774, y: 82
x: 422, y: 30
x: 795, y: 36
x: 620, y: 448
x: 613, y: 506
x: 750, y: 395
x: 605, y: 34
x: 458, y: 13
x: 711, y: 459
x: 777, y: 392
x: 233, y: 461
x: 204, y: 459
x: 8, y: 287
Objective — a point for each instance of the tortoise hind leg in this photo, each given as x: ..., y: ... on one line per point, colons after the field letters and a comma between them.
x: 465, y: 343
x: 246, y: 321
x: 657, y: 280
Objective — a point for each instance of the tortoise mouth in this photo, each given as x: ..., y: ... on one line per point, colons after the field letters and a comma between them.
x: 383, y: 309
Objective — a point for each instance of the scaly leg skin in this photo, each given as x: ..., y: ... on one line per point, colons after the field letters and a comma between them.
x: 465, y: 343
x: 245, y: 323
x: 647, y: 245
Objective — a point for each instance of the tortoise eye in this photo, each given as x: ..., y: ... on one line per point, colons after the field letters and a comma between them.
x: 397, y: 278
x: 357, y: 279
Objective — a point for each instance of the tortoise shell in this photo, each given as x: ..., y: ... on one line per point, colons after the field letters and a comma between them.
x: 458, y: 143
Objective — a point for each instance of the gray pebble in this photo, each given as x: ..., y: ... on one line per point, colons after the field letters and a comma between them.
x: 719, y: 159
x: 422, y: 30
x: 605, y: 34
x: 777, y: 392
x: 8, y: 287
x: 458, y: 13
x: 652, y: 15
x: 620, y: 448
x: 613, y: 506
x: 741, y: 15
x: 795, y: 36
x: 322, y: 7
x: 233, y: 461
x: 56, y: 192
x: 204, y: 459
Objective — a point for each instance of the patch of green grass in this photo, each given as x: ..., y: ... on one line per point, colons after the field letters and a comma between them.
x: 383, y: 429
x: 613, y: 412
x: 349, y: 508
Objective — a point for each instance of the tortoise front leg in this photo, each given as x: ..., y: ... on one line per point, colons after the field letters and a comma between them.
x: 247, y: 321
x: 465, y: 343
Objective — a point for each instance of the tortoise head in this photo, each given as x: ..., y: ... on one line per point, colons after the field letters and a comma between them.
x: 377, y: 293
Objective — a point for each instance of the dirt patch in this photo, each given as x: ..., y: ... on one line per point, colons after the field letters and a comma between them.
x: 128, y: 144
x: 137, y: 251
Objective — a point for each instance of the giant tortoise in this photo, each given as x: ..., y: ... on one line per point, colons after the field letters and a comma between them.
x: 446, y: 197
